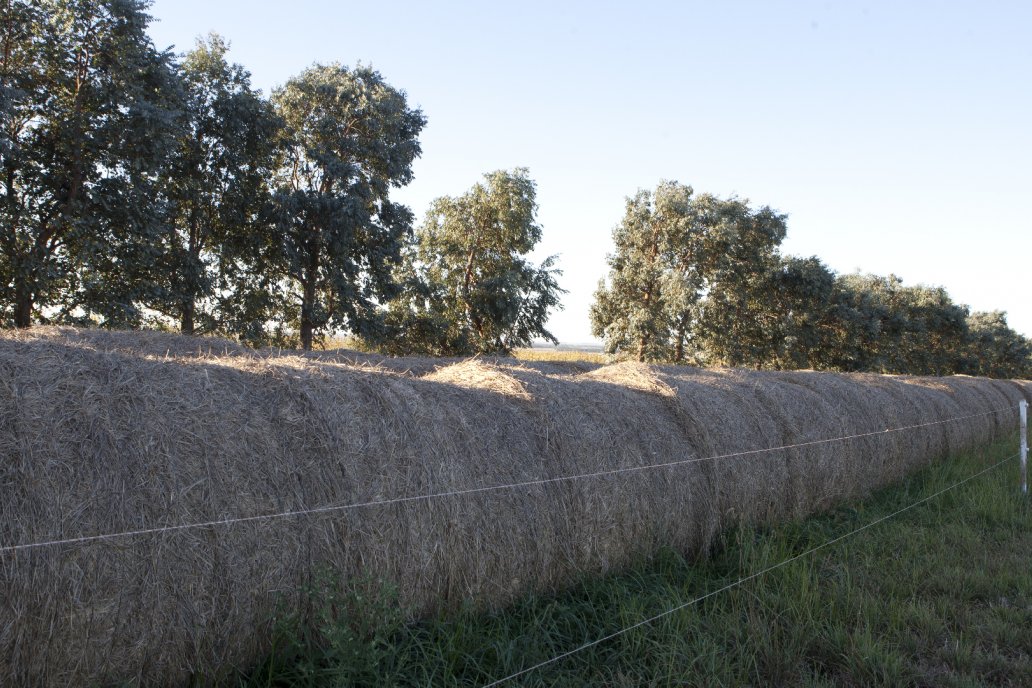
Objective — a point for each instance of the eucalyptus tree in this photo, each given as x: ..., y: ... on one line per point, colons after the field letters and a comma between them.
x: 88, y: 110
x: 737, y: 248
x: 937, y: 329
x: 217, y: 195
x: 471, y: 287
x: 794, y: 308
x: 348, y: 138
x: 682, y: 281
x: 994, y: 349
x: 895, y: 328
x: 632, y: 312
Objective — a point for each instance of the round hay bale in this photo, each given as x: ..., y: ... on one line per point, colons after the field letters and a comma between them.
x: 475, y: 480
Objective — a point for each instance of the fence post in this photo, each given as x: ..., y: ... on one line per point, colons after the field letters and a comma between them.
x: 1023, y: 412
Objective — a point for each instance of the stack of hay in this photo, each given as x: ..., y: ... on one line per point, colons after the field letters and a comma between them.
x: 106, y: 433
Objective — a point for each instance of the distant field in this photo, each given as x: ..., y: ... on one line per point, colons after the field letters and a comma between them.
x: 561, y: 355
x: 544, y: 352
x: 564, y: 353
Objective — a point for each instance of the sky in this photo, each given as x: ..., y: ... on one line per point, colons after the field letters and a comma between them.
x: 897, y: 137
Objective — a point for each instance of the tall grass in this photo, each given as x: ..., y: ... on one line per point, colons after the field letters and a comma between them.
x: 938, y: 595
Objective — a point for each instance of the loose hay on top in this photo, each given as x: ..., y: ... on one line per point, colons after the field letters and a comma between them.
x: 473, y: 374
x: 633, y: 375
x: 102, y: 433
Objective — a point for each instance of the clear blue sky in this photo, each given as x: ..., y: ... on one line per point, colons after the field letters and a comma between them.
x: 897, y: 136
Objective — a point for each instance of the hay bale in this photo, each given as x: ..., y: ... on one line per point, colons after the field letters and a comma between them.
x: 146, y: 343
x: 109, y: 432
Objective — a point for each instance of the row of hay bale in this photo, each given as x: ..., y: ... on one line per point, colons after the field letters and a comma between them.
x: 108, y: 432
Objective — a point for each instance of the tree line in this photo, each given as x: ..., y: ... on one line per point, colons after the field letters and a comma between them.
x: 699, y: 279
x: 144, y: 189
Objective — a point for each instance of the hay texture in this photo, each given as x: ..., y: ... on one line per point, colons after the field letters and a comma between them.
x: 106, y: 432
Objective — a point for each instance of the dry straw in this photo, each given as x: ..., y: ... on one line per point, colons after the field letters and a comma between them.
x: 106, y: 432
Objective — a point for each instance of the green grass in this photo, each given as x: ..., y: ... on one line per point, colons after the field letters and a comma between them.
x: 940, y: 595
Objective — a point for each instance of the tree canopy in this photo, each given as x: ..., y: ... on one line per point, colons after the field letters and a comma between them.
x: 348, y: 138
x: 700, y: 279
x: 89, y: 117
x: 216, y: 193
x: 682, y: 278
x: 142, y: 189
x: 471, y: 287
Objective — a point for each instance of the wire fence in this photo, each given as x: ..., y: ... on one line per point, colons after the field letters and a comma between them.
x: 339, y: 508
x: 753, y: 576
x: 7, y: 549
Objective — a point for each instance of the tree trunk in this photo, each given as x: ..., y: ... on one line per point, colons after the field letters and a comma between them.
x: 186, y: 324
x: 22, y: 305
x: 193, y: 248
x: 643, y: 341
x: 467, y: 286
x: 307, y: 329
x: 309, y: 280
x: 307, y: 325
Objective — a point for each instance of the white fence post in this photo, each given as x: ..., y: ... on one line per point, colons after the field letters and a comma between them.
x: 1023, y: 412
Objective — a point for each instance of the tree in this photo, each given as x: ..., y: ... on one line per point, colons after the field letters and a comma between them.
x: 993, y: 349
x: 893, y: 328
x: 933, y: 342
x: 633, y: 310
x: 217, y: 193
x: 88, y: 109
x: 471, y: 287
x: 738, y: 250
x: 684, y: 271
x: 795, y: 314
x: 348, y: 138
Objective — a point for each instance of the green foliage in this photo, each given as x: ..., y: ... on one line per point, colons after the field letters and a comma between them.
x: 698, y: 279
x: 470, y: 287
x: 685, y: 275
x: 138, y: 192
x: 89, y: 114
x: 210, y: 263
x: 894, y: 328
x: 793, y: 315
x: 342, y: 639
x: 348, y: 138
x: 633, y: 311
x: 993, y: 349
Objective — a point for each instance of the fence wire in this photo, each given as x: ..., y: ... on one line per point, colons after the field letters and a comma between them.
x: 469, y: 491
x: 746, y: 579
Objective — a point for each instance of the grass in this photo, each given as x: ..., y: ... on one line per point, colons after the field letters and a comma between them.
x: 561, y: 356
x: 331, y: 342
x: 352, y: 343
x: 940, y: 595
